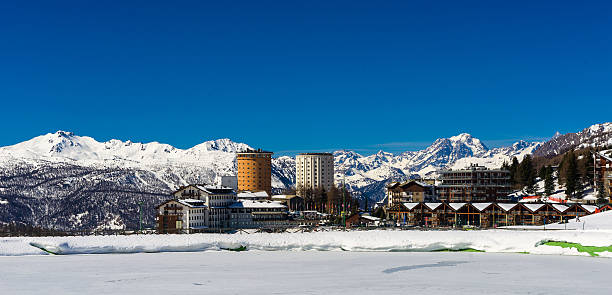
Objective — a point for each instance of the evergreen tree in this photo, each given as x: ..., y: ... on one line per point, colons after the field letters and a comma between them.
x: 542, y: 173
x: 602, y: 197
x: 527, y: 174
x: 514, y: 171
x: 549, y: 185
x: 586, y: 167
x: 570, y: 168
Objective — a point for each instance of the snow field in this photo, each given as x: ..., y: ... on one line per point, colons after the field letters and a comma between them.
x: 501, y: 241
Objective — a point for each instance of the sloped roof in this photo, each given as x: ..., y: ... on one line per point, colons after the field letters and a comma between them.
x: 560, y: 208
x: 590, y: 208
x: 507, y: 206
x: 456, y: 206
x: 193, y: 203
x: 410, y: 206
x: 533, y: 207
x: 433, y: 206
x: 481, y: 206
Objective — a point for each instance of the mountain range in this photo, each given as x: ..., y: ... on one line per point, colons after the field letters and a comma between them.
x: 65, y: 181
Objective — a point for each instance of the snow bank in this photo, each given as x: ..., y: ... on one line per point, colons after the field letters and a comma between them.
x: 378, y: 240
x: 598, y: 221
x: 597, y: 232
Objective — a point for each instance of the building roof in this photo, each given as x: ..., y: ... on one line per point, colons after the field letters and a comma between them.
x: 257, y: 151
x: 560, y: 208
x: 369, y: 217
x: 481, y: 206
x: 533, y: 207
x: 284, y: 197
x: 257, y: 204
x: 507, y: 206
x: 456, y: 206
x: 253, y: 195
x: 215, y: 189
x: 316, y: 154
x: 410, y: 206
x: 590, y: 208
x: 433, y: 206
x: 191, y: 203
x: 607, y: 154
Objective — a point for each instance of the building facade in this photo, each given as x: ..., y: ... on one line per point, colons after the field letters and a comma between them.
x: 410, y: 191
x: 254, y: 171
x: 216, y: 198
x: 474, y: 183
x: 258, y: 214
x: 314, y: 171
x: 182, y: 216
x: 603, y: 170
x: 197, y: 208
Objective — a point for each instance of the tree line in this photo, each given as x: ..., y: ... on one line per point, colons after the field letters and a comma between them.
x: 574, y: 171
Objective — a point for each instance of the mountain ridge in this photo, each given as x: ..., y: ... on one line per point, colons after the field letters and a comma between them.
x: 65, y: 181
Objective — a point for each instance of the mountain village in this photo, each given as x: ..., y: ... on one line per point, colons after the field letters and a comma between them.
x: 223, y: 186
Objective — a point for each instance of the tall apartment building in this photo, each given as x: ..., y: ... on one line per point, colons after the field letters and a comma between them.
x: 474, y: 183
x: 314, y: 170
x: 254, y: 171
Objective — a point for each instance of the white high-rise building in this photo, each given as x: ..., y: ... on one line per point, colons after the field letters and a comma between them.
x: 314, y: 170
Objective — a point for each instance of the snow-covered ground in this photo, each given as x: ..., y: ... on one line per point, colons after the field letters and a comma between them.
x: 314, y: 272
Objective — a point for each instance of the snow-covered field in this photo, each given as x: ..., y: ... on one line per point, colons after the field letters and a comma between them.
x: 378, y: 261
x: 312, y: 272
x: 593, y: 230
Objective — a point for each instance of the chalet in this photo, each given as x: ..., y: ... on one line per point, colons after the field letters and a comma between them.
x: 484, y: 215
x: 410, y: 191
x: 362, y: 219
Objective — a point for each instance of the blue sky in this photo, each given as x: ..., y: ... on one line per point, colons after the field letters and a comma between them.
x: 293, y: 76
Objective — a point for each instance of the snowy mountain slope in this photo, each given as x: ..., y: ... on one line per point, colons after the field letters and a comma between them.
x: 598, y: 135
x: 77, y: 181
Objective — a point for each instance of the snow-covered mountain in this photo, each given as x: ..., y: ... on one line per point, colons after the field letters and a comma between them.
x: 67, y: 181
x: 364, y: 172
x: 598, y: 135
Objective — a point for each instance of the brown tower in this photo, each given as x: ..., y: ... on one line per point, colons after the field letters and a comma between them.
x: 254, y: 171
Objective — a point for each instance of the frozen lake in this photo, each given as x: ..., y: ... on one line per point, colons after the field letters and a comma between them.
x: 305, y: 272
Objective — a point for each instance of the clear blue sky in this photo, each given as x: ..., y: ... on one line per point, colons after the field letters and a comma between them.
x: 293, y: 76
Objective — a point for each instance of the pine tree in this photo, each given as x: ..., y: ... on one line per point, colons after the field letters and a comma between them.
x: 602, y: 197
x: 542, y: 172
x: 549, y: 185
x: 527, y: 174
x: 571, y: 174
x: 514, y: 171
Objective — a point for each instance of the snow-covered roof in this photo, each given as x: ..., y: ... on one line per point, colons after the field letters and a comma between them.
x: 507, y: 206
x: 433, y: 206
x: 369, y: 217
x: 589, y: 208
x: 607, y: 154
x: 253, y: 195
x: 533, y: 207
x: 283, y: 197
x: 560, y: 208
x: 410, y: 205
x: 257, y: 204
x: 456, y: 206
x: 214, y: 189
x: 481, y: 206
